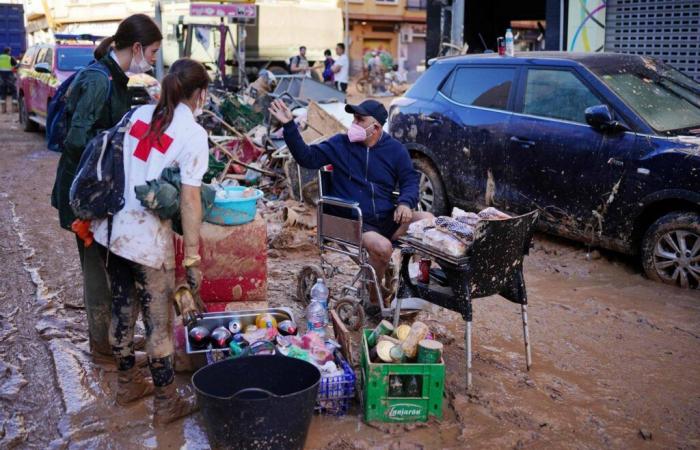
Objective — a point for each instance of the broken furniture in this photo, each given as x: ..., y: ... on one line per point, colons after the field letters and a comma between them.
x: 492, y: 265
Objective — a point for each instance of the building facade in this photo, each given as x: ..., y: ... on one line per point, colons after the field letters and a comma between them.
x: 394, y: 26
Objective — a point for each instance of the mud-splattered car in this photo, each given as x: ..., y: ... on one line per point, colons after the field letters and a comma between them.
x: 606, y: 146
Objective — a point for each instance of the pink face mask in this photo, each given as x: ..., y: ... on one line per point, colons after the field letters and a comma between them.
x: 356, y: 133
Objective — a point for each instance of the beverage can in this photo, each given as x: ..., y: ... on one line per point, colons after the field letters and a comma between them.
x: 501, y: 46
x: 264, y: 321
x: 429, y: 352
x: 384, y: 327
x: 424, y: 270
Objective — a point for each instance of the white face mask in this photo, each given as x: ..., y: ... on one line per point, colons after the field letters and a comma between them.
x: 200, y: 104
x: 141, y: 66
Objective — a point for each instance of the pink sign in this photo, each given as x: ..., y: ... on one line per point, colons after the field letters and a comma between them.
x: 236, y: 11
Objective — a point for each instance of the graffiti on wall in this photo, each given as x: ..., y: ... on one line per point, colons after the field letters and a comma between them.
x: 586, y: 25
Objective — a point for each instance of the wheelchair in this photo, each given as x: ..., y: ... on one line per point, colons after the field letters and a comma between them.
x: 339, y: 230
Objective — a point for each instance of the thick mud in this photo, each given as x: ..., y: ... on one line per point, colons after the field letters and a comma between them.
x: 615, y: 357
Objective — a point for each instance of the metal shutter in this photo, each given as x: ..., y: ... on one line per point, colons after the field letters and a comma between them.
x: 665, y: 29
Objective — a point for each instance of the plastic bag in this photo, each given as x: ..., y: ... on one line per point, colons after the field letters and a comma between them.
x: 444, y: 242
x: 492, y: 213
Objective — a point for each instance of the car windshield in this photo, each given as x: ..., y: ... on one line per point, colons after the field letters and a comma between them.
x: 665, y: 98
x: 71, y: 59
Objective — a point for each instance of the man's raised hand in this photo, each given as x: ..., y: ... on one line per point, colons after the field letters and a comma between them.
x: 280, y: 111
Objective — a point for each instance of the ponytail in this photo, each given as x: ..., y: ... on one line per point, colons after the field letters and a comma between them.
x: 183, y: 79
x: 104, y: 47
x: 135, y: 28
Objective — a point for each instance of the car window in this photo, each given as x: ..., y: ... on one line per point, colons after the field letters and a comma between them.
x: 664, y: 103
x: 558, y: 94
x: 48, y: 57
x: 40, y: 55
x: 28, y: 57
x: 73, y: 58
x: 487, y: 87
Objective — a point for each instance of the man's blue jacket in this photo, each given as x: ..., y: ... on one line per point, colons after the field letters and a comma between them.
x: 362, y: 174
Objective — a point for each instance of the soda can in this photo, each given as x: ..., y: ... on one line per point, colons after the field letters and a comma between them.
x: 220, y: 337
x: 199, y: 336
x: 429, y: 352
x: 424, y: 272
x: 235, y: 326
x: 501, y: 46
x: 384, y: 327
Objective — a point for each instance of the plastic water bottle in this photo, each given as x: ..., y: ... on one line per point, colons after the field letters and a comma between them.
x: 319, y: 291
x: 316, y: 317
x: 510, y: 47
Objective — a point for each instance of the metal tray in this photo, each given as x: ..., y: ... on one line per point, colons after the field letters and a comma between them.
x: 247, y: 317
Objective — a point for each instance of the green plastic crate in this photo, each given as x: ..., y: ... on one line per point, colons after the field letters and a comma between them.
x: 377, y: 404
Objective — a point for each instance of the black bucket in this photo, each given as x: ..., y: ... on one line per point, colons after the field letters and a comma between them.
x: 257, y: 402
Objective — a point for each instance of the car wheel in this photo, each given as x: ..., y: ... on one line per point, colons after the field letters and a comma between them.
x: 671, y: 250
x: 431, y: 191
x: 27, y: 124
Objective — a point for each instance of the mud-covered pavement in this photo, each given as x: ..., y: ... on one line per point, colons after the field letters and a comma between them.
x: 616, y: 357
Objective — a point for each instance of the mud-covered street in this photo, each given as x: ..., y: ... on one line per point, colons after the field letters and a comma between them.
x: 616, y: 357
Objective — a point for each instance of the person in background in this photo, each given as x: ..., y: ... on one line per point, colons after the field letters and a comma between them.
x: 142, y: 259
x: 299, y: 65
x: 7, y: 79
x: 341, y: 68
x: 90, y: 109
x: 328, y: 74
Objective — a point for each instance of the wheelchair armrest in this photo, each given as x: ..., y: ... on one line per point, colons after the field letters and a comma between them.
x: 335, y: 201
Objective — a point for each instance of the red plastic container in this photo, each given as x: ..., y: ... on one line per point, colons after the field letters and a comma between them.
x: 234, y: 263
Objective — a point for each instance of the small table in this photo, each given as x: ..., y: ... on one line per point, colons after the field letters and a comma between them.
x: 492, y: 265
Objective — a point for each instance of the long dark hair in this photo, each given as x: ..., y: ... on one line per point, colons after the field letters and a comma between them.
x: 137, y: 28
x: 185, y: 77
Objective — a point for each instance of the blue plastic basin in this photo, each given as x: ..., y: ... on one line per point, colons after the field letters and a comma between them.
x: 234, y: 209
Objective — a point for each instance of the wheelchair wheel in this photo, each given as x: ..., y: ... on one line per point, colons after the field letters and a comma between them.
x: 350, y: 312
x: 305, y: 280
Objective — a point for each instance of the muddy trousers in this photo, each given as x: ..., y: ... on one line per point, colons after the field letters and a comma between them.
x: 134, y: 285
x: 97, y: 296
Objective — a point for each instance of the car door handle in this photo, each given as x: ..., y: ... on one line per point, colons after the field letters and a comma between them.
x: 522, y: 142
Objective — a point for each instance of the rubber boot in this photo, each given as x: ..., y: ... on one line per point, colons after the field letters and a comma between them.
x: 169, y: 405
x: 132, y: 385
x: 8, y: 104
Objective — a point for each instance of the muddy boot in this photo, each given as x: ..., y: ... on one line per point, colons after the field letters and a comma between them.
x: 132, y: 385
x: 169, y: 405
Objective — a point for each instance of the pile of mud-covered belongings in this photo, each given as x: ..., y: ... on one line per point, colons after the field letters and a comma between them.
x: 247, y: 147
x: 453, y: 234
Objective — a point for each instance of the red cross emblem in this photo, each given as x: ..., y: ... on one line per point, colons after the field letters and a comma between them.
x: 143, y: 150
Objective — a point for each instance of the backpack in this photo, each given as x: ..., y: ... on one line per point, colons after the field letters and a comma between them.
x: 56, y: 115
x: 97, y: 191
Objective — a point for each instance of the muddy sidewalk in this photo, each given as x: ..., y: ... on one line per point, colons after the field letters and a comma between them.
x: 615, y: 357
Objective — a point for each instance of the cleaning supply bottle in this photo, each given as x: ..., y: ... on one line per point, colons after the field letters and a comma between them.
x: 510, y: 46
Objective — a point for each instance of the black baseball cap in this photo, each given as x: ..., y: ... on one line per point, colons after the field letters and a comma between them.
x: 369, y: 108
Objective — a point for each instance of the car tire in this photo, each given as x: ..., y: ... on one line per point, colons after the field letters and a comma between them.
x: 431, y: 191
x: 27, y: 124
x: 671, y: 250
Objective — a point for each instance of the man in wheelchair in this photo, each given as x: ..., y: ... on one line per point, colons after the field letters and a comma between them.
x: 368, y: 165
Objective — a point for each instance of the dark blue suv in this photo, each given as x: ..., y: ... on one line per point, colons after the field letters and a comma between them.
x: 605, y: 146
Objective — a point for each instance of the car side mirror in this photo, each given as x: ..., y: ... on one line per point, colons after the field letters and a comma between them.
x: 600, y: 118
x: 42, y: 67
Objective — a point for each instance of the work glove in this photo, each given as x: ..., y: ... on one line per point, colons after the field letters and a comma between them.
x: 190, y: 307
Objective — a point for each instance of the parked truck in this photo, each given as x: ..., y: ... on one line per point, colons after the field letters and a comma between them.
x: 12, y: 33
x: 274, y: 37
